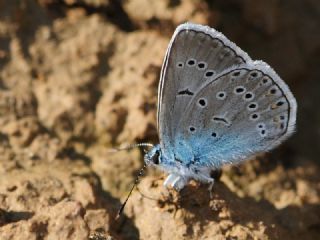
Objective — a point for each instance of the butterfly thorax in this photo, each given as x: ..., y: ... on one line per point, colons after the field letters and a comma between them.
x: 156, y: 158
x: 179, y: 172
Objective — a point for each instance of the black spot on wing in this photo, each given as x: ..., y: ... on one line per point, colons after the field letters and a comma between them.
x: 185, y: 92
x: 223, y: 120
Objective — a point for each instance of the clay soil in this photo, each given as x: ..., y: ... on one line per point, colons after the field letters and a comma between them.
x: 80, y: 76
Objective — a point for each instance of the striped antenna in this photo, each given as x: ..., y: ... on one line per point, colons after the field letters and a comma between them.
x: 136, y: 181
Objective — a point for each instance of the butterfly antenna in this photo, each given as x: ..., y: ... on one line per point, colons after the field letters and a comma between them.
x: 129, y: 147
x: 133, y: 186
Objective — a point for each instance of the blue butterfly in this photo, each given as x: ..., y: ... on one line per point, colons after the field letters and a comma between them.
x: 216, y: 106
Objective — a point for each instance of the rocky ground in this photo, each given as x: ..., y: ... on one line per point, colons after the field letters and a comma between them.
x: 80, y: 76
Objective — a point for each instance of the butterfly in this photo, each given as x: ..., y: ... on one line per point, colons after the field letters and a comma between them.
x: 216, y: 106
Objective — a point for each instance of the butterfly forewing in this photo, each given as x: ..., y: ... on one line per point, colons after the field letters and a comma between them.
x: 196, y: 55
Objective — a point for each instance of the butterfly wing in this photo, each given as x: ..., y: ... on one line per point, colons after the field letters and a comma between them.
x: 196, y: 55
x: 246, y: 110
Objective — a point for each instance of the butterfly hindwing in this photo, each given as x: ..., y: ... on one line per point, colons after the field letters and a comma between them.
x: 245, y: 110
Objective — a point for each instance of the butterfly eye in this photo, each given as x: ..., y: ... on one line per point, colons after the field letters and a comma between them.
x: 155, y: 158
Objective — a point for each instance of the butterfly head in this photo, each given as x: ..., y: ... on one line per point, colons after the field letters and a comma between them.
x: 153, y: 157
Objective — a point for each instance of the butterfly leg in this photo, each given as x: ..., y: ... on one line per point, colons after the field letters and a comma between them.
x: 169, y: 180
x: 179, y: 183
x: 175, y: 181
x: 210, y: 181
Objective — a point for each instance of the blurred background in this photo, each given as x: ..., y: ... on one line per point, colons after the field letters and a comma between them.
x: 80, y: 76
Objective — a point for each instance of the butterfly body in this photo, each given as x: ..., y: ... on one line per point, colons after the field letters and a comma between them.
x: 180, y: 170
x: 216, y: 106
